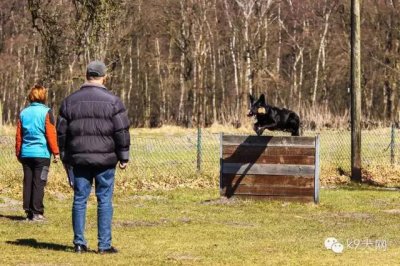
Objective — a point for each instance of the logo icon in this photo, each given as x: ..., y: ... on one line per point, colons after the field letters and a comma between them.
x: 333, y: 244
x: 337, y: 247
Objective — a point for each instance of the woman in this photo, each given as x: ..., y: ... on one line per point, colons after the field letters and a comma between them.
x: 36, y: 140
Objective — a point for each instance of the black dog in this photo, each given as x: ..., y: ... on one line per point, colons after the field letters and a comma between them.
x: 273, y: 118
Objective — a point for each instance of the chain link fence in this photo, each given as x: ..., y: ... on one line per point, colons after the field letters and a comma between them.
x: 172, y: 158
x: 378, y: 147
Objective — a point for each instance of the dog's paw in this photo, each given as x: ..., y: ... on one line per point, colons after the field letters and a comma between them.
x: 259, y: 131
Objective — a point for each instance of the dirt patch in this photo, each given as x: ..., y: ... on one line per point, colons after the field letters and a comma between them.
x: 162, y: 221
x: 148, y: 198
x: 185, y: 220
x: 241, y: 224
x: 60, y: 196
x: 342, y: 217
x: 355, y: 215
x: 183, y: 257
x: 136, y: 223
x: 220, y: 201
x: 393, y: 211
x: 141, y: 223
x: 8, y: 203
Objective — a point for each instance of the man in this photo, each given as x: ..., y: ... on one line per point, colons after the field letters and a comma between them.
x: 93, y: 136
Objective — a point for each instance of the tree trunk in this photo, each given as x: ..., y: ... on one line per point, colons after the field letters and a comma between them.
x: 19, y: 86
x: 232, y: 48
x: 183, y: 47
x: 169, y: 79
x: 278, y: 53
x: 320, y: 50
x: 122, y: 89
x: 249, y: 79
x: 138, y: 81
x: 196, y: 104
x: 130, y: 76
x: 147, y: 101
x: 222, y: 106
x: 300, y: 85
x: 213, y: 87
x: 160, y: 82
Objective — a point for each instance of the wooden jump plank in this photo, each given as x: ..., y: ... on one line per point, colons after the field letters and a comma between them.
x: 270, y: 180
x: 266, y: 169
x: 278, y: 159
x: 268, y: 191
x: 246, y: 151
x: 269, y: 141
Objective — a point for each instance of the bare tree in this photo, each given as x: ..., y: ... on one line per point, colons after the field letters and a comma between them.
x: 321, y: 49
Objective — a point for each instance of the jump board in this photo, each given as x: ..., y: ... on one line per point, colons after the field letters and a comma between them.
x: 270, y: 167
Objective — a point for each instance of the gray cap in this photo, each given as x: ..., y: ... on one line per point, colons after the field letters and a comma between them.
x: 96, y: 69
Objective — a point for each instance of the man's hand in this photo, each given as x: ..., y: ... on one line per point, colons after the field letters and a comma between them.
x: 123, y: 165
x: 56, y: 158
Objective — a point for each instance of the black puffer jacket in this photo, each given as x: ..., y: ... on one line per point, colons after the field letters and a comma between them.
x: 93, y: 128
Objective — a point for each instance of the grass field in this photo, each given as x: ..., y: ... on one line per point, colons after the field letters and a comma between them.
x: 166, y: 212
x: 196, y: 227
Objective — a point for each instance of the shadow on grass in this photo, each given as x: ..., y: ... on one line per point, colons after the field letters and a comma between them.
x: 31, y: 242
x: 13, y: 217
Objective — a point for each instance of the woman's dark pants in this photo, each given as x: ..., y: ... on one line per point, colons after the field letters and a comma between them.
x: 35, y: 179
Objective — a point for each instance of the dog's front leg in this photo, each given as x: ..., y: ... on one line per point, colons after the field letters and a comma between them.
x: 259, y: 130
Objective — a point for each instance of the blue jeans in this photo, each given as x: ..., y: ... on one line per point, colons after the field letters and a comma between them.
x: 104, y: 184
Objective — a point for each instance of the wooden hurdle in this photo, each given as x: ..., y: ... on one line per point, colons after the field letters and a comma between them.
x: 270, y: 167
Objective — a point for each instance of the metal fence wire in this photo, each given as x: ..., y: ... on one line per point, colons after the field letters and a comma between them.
x: 198, y: 153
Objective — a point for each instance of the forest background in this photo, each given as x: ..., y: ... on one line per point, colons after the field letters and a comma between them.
x: 194, y: 62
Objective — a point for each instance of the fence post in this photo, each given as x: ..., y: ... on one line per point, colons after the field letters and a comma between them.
x: 199, y: 149
x: 221, y: 161
x: 317, y: 169
x: 392, y: 144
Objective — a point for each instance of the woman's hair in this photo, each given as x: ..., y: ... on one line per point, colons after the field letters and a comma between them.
x: 38, y: 93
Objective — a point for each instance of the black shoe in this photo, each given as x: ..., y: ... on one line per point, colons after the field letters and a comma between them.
x: 80, y: 248
x: 111, y: 250
x: 29, y: 215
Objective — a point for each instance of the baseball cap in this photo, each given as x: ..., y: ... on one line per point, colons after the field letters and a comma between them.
x: 96, y: 69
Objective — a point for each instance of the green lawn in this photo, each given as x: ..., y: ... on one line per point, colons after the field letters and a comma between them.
x: 196, y: 227
x: 166, y: 212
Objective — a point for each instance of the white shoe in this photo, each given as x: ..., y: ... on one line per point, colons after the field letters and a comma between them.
x: 38, y: 218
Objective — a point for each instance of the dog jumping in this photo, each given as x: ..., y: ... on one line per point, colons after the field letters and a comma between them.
x: 273, y: 118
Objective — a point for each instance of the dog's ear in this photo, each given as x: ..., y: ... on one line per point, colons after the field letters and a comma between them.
x: 262, y: 99
x: 251, y: 97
